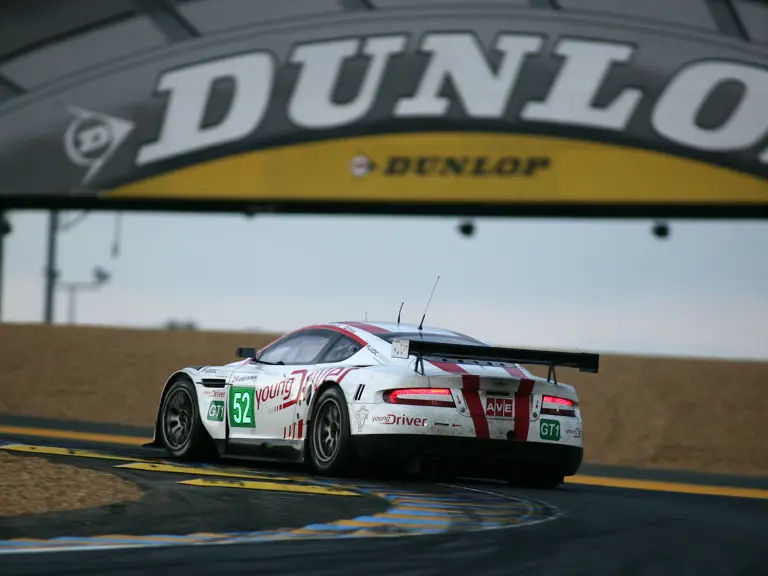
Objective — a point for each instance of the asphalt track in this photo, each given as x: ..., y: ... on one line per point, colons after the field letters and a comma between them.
x: 647, y: 522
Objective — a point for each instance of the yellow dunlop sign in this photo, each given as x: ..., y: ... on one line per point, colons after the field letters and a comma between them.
x: 461, y: 107
x: 448, y: 167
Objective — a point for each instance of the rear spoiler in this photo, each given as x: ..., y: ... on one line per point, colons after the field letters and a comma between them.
x: 402, y: 348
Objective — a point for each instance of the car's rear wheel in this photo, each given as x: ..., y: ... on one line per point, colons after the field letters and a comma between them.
x: 182, y: 432
x: 330, y: 449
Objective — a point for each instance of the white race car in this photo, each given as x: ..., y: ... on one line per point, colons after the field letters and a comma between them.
x: 336, y: 394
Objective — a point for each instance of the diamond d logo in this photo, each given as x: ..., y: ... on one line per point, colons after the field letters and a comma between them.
x: 361, y: 166
x: 92, y: 139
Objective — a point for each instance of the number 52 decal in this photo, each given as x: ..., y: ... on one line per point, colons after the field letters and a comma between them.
x: 241, y: 407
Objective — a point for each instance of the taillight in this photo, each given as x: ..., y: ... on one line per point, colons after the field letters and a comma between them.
x: 557, y: 406
x: 556, y: 400
x: 420, y: 397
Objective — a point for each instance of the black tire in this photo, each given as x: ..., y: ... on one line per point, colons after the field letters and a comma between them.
x: 329, y: 447
x: 186, y: 438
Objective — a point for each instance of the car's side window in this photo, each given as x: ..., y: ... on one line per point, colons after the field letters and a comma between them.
x: 342, y: 349
x: 301, y: 349
x: 276, y: 353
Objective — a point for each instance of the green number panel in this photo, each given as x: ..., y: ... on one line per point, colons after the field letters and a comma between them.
x: 241, y: 413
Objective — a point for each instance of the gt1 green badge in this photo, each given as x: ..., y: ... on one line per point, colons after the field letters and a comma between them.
x: 216, y: 411
x: 241, y: 407
x: 550, y: 430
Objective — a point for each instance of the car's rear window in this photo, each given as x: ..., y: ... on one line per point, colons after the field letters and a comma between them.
x: 441, y: 338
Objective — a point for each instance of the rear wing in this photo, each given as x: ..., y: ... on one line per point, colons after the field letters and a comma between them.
x: 402, y: 348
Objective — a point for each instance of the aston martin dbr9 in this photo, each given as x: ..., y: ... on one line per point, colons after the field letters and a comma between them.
x: 337, y: 396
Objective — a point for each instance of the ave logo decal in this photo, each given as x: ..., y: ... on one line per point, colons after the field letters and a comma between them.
x: 588, y: 90
x: 499, y: 407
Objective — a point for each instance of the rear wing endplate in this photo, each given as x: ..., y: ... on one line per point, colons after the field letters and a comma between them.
x: 402, y: 348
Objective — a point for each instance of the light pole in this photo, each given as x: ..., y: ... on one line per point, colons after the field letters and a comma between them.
x: 5, y: 229
x: 51, y: 272
x: 50, y: 267
x: 100, y: 277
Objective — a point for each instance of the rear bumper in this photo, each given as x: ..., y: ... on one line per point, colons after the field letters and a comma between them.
x: 477, y: 454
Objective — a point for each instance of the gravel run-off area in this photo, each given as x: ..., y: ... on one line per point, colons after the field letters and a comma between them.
x: 34, y: 485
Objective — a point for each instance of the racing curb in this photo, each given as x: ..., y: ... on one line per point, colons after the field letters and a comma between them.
x: 411, y: 513
x: 36, y: 427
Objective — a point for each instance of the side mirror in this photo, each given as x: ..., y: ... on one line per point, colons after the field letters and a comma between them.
x: 246, y: 353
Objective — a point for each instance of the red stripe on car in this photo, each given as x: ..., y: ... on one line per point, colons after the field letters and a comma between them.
x: 471, y: 384
x: 349, y: 334
x: 523, y: 409
x: 448, y: 367
x: 347, y: 371
x: 471, y: 388
x: 288, y: 404
x: 301, y: 430
x: 367, y: 327
x: 515, y: 372
x: 341, y: 330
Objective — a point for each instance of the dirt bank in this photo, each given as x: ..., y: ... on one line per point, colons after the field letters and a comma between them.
x: 667, y: 413
x: 101, y: 374
x: 32, y: 485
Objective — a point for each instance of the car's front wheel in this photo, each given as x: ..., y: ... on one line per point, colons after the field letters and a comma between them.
x: 330, y: 449
x: 182, y: 433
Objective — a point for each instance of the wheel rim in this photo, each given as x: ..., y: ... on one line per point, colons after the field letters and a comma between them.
x: 327, y: 433
x: 177, y: 420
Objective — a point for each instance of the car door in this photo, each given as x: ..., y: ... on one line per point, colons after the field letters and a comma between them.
x: 283, y: 369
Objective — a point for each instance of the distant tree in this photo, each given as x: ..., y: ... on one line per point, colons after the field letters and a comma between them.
x: 174, y: 324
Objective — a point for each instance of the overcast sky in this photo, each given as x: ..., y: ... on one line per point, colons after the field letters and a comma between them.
x: 593, y: 285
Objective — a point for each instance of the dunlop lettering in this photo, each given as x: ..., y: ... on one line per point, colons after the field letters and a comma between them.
x: 465, y: 166
x: 586, y: 65
x: 188, y: 92
x: 585, y: 91
x: 312, y: 103
x: 460, y: 58
x: 675, y: 114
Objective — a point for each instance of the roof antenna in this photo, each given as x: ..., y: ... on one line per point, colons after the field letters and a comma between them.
x: 399, y: 312
x: 421, y: 325
x: 366, y: 314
